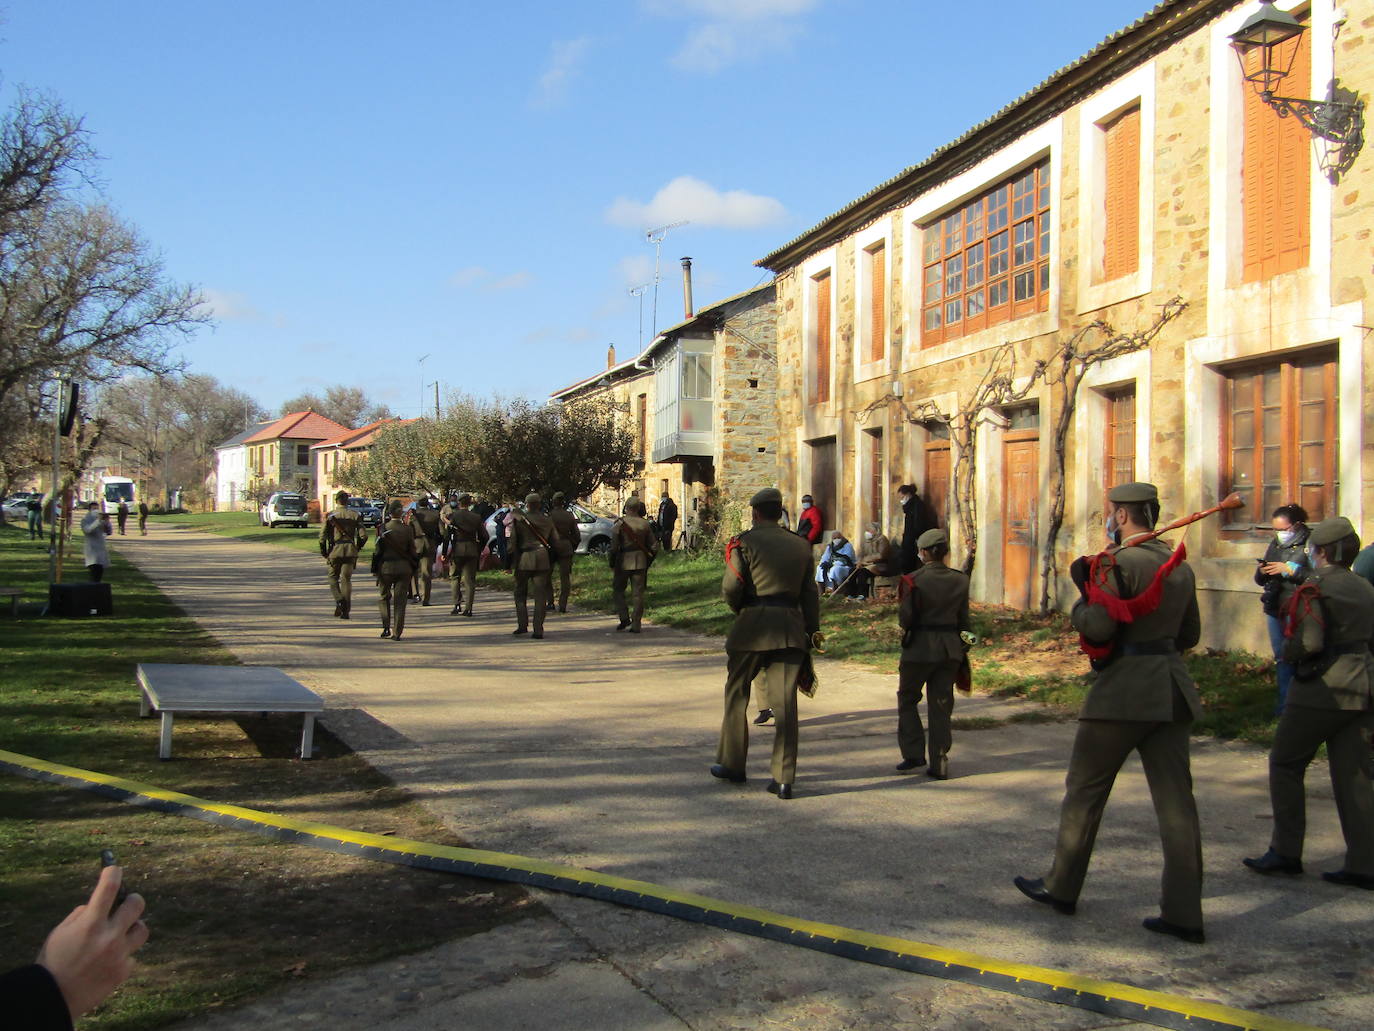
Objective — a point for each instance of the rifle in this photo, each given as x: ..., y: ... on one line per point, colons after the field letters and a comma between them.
x: 1226, y: 503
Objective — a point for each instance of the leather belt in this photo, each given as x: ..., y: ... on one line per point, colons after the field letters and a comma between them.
x: 1165, y: 647
x: 773, y: 601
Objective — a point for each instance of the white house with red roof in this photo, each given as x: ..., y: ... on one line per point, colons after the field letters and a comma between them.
x: 278, y: 456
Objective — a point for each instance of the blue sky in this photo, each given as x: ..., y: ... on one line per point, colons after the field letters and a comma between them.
x: 356, y: 185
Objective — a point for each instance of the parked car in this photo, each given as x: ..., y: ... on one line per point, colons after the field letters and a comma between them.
x: 284, y: 507
x: 368, y: 512
x: 594, y: 526
x: 17, y: 506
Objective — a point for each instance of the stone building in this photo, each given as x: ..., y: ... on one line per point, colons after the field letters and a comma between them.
x: 1148, y: 169
x: 701, y: 401
x: 278, y: 455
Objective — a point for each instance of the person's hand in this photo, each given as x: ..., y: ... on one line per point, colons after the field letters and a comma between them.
x: 90, y: 953
x: 1274, y: 568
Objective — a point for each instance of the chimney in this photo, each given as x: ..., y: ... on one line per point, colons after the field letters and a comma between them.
x: 687, y: 287
x: 610, y: 356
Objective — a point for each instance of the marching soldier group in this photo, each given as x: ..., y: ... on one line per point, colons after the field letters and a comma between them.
x: 1137, y: 615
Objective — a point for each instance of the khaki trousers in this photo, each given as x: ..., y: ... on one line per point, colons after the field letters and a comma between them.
x: 341, y: 578
x: 393, y: 593
x: 530, y: 586
x: 937, y: 678
x: 462, y: 574
x: 424, y: 577
x: 635, y: 579
x: 1099, y: 750
x: 780, y: 670
x: 564, y: 566
x: 1300, y: 731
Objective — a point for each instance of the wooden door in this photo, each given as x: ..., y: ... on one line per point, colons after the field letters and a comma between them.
x: 1020, y: 464
x: 937, y: 481
x: 822, y: 488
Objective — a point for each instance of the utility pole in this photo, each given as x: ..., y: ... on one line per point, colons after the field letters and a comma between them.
x: 655, y: 237
x: 421, y: 363
x: 436, y: 400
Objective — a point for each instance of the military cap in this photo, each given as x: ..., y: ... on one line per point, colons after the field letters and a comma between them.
x: 559, y: 497
x: 763, y: 497
x: 931, y: 538
x: 1133, y: 493
x: 533, y: 500
x: 341, y: 495
x: 1329, y: 531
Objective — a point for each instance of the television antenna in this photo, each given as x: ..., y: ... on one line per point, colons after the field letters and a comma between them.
x: 639, y: 291
x: 656, y: 237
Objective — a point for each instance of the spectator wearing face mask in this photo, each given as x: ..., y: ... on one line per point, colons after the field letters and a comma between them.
x: 1283, y: 568
x: 875, y: 559
x: 837, y: 562
x: 812, y: 521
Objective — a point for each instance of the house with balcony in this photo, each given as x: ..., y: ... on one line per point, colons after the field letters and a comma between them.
x: 279, y: 456
x: 1156, y: 166
x: 700, y: 399
x: 332, y: 458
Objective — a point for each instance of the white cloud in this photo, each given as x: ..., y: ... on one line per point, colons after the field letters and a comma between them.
x: 733, y: 30
x: 514, y: 281
x: 636, y: 270
x: 565, y: 61
x: 477, y: 277
x: 688, y: 198
x: 229, y: 306
x: 466, y: 277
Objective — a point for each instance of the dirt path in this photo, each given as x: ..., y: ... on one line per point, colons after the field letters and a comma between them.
x: 592, y: 748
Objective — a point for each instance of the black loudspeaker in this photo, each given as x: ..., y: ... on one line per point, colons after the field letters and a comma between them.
x: 80, y: 599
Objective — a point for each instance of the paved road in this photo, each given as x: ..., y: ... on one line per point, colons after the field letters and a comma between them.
x: 592, y: 747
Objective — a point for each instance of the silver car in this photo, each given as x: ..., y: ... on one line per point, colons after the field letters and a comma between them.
x: 595, y: 528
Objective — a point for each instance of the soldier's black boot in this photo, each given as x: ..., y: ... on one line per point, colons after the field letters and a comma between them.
x: 338, y: 609
x: 763, y: 717
x: 455, y: 610
x: 345, y: 607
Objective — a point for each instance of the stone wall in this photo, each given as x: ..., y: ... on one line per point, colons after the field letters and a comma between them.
x: 1190, y: 242
x: 744, y: 416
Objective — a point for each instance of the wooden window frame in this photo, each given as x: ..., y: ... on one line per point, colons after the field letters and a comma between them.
x: 1253, y: 521
x: 964, y: 239
x: 877, y: 474
x: 1112, y: 423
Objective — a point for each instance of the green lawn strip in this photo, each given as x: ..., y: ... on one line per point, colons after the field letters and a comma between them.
x: 232, y: 914
x: 244, y: 526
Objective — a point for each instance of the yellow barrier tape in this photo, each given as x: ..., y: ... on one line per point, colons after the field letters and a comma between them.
x: 1191, y: 1009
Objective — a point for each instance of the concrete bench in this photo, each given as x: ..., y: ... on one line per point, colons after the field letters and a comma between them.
x: 173, y: 688
x: 13, y: 594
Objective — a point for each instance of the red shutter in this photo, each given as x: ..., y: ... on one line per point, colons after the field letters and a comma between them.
x: 1121, y: 250
x: 878, y: 303
x: 821, y: 387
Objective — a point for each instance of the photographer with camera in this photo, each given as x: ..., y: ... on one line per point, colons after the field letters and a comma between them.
x: 1280, y: 572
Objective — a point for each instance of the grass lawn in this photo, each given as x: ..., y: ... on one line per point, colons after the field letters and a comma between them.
x: 245, y: 526
x: 232, y: 915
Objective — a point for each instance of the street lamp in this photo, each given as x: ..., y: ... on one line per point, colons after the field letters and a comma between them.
x: 1259, y: 46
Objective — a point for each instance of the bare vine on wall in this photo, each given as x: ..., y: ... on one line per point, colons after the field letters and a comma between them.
x: 1059, y: 374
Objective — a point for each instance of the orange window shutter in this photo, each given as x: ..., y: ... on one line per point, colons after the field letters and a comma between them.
x: 878, y: 303
x: 1276, y: 173
x: 1121, y: 244
x: 821, y: 391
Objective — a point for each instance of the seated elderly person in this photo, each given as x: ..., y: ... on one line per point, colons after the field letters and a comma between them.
x: 837, y: 562
x: 876, y: 559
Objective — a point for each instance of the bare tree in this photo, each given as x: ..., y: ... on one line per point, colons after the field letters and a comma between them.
x: 348, y: 406
x: 1001, y: 385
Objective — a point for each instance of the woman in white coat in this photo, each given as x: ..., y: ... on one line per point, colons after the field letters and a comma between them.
x: 95, y: 527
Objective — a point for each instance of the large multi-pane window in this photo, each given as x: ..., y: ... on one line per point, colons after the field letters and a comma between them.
x: 1119, y: 456
x: 1279, y: 437
x: 988, y: 261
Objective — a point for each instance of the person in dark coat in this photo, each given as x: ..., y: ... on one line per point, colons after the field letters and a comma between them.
x: 667, y: 520
x: 918, y: 518
x: 1284, y: 567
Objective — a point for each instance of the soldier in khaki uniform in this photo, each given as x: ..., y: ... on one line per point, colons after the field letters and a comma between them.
x: 532, y: 543
x: 569, y: 537
x: 464, y: 536
x: 769, y: 586
x: 399, y: 550
x: 341, y: 538
x: 1330, y: 628
x: 1142, y: 700
x: 633, y: 547
x: 425, y: 521
x: 932, y: 615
